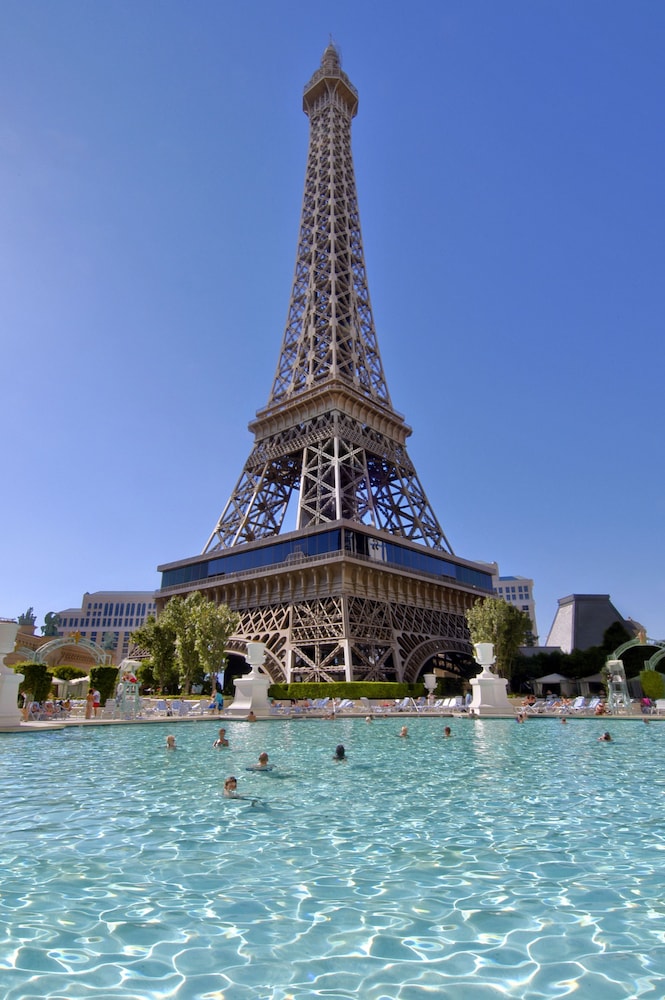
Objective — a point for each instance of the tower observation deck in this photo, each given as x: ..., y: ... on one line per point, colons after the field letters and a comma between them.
x: 365, y: 585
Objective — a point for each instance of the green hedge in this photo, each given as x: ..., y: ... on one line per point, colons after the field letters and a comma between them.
x: 374, y: 690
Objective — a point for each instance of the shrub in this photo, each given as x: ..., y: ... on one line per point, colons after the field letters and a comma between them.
x: 104, y: 680
x: 37, y: 682
x: 345, y: 689
x: 653, y: 684
x: 69, y: 673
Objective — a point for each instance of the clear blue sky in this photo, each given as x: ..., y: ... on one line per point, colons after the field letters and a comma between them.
x: 510, y: 161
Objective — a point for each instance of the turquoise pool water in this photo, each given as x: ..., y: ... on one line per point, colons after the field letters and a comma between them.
x: 508, y: 861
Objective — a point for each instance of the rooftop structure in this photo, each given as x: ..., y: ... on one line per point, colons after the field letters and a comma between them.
x: 581, y: 621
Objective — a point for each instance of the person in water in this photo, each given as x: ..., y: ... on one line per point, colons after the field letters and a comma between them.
x: 447, y: 732
x: 605, y: 738
x: 231, y: 788
x: 170, y: 743
x: 221, y: 740
x: 404, y: 732
x: 251, y: 717
x: 340, y: 753
x: 263, y: 760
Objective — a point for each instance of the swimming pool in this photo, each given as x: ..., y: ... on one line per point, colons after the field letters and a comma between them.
x: 508, y: 861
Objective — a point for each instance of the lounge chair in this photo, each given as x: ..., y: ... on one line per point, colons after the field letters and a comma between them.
x: 346, y: 705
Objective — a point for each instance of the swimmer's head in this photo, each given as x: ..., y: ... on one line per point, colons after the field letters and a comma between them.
x: 170, y: 741
x: 263, y: 758
x: 340, y: 752
x: 231, y: 782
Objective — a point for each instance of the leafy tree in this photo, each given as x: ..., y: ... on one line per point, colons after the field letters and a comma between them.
x: 216, y: 622
x: 180, y: 615
x: 614, y: 636
x: 189, y: 638
x: 494, y: 620
x: 158, y: 639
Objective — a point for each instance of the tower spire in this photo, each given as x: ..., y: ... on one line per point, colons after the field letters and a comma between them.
x: 330, y: 331
x: 329, y: 430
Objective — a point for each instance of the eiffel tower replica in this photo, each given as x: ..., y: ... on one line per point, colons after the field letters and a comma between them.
x: 367, y: 586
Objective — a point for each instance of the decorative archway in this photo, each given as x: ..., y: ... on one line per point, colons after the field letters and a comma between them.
x: 421, y: 654
x: 40, y: 655
x: 649, y: 664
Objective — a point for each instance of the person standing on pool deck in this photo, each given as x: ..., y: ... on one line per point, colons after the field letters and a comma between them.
x: 96, y: 702
x: 89, y: 700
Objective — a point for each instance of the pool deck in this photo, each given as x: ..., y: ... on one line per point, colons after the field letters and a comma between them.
x: 319, y: 715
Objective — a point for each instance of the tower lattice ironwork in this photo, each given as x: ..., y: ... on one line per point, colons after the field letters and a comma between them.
x: 362, y: 600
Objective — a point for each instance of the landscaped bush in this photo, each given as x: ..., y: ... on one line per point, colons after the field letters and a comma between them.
x: 653, y: 684
x: 374, y: 690
x: 104, y: 680
x: 279, y: 692
x: 37, y: 682
x: 69, y: 673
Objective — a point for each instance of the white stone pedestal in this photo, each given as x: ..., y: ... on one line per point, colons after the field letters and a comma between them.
x: 490, y: 697
x: 10, y: 715
x: 251, y: 691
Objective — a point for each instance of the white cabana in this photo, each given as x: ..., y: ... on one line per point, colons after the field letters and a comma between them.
x: 556, y: 683
x: 593, y: 684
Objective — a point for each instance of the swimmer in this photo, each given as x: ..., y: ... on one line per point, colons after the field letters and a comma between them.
x: 221, y: 740
x: 404, y: 732
x: 263, y: 764
x: 340, y: 753
x: 564, y: 721
x: 170, y: 743
x: 605, y: 738
x: 447, y: 732
x: 251, y: 717
x: 231, y: 791
x: 231, y: 788
x: 368, y: 718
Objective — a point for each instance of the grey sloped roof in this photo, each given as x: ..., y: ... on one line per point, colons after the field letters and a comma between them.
x: 582, y: 620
